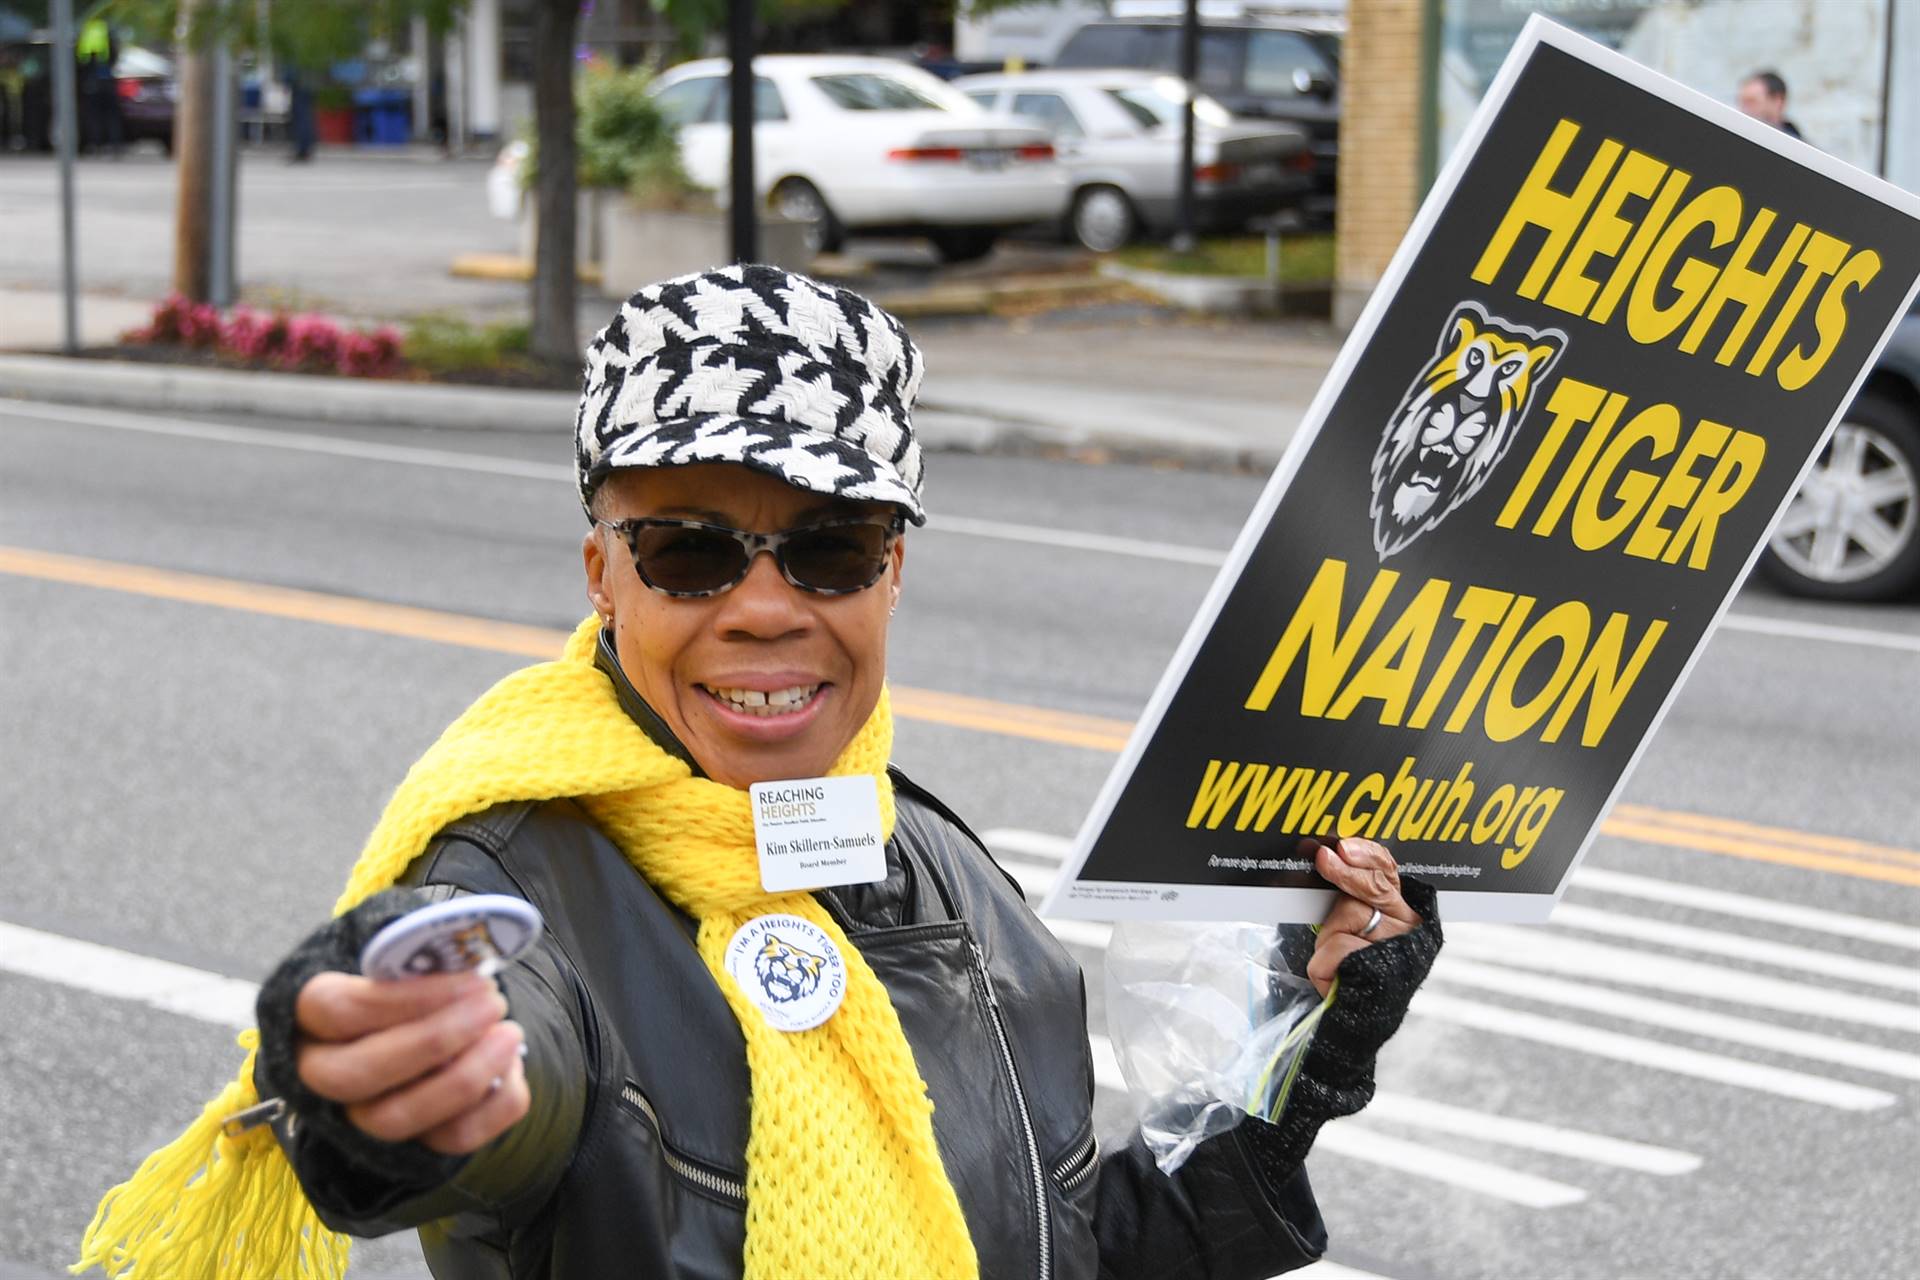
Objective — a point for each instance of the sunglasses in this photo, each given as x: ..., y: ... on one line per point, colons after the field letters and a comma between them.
x: 689, y: 559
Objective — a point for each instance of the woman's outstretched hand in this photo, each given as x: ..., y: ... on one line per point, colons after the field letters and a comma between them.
x: 1366, y: 879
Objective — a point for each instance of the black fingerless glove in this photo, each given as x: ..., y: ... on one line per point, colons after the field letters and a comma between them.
x: 1336, y: 1075
x: 309, y: 1118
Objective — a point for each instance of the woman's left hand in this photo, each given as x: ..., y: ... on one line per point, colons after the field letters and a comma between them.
x: 1366, y: 879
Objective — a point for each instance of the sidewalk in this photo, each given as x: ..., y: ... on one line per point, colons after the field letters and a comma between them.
x: 1133, y: 387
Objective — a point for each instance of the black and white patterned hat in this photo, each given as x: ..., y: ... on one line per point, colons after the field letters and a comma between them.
x: 760, y: 366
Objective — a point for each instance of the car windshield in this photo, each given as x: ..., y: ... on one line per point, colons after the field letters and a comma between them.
x: 1158, y: 105
x: 870, y: 91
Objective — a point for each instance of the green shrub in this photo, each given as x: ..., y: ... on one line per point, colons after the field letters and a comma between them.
x: 443, y: 343
x: 624, y: 141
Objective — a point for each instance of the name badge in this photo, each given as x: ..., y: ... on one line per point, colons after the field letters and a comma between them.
x: 789, y: 969
x: 814, y: 833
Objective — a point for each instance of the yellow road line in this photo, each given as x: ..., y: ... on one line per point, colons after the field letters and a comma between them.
x: 1736, y: 828
x: 285, y: 602
x: 1698, y: 832
x: 1660, y: 833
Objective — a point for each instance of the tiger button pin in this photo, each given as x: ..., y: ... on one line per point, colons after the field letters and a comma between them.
x: 789, y: 969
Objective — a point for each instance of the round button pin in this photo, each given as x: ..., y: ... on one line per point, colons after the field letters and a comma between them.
x: 484, y: 931
x: 789, y: 969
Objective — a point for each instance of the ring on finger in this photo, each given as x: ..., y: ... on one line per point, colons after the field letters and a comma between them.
x: 1373, y: 922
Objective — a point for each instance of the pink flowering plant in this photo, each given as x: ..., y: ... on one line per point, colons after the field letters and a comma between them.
x: 279, y: 340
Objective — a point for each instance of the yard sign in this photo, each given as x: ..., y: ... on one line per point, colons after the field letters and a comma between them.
x: 1615, y: 338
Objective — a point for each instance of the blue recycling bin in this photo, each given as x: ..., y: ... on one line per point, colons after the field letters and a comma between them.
x: 382, y: 117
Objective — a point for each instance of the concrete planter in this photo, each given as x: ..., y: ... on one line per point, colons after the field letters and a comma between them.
x: 587, y: 246
x: 1224, y: 295
x: 640, y: 246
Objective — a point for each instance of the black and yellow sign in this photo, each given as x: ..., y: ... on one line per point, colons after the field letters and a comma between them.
x: 1616, y: 336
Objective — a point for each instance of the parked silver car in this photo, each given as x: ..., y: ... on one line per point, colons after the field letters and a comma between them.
x: 1117, y: 133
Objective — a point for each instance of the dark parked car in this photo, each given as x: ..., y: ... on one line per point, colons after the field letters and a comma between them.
x: 1260, y: 69
x: 143, y: 84
x: 1852, y: 532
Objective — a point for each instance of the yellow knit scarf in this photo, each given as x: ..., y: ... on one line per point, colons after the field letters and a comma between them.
x: 843, y: 1177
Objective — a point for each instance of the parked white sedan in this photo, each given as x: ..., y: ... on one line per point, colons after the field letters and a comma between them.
x: 870, y: 144
x: 1118, y: 135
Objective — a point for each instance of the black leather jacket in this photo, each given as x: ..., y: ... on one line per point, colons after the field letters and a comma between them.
x: 631, y: 1161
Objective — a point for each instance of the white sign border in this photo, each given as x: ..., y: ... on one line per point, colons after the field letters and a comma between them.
x: 1240, y: 902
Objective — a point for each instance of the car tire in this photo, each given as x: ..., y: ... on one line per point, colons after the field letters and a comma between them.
x: 1102, y: 219
x: 1852, y: 530
x: 963, y: 244
x: 800, y: 201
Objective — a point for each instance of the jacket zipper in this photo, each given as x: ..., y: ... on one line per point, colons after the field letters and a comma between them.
x: 698, y: 1175
x: 1034, y: 1165
x: 1080, y: 1163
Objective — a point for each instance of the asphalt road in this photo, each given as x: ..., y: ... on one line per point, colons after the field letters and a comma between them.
x: 186, y: 777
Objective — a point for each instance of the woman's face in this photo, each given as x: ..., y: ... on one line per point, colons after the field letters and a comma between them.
x: 820, y: 659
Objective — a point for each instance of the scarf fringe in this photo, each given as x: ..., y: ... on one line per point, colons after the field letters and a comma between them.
x: 205, y: 1196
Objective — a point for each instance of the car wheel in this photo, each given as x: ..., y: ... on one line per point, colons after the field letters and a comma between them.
x: 1852, y: 531
x: 963, y: 244
x: 1102, y: 219
x: 798, y: 200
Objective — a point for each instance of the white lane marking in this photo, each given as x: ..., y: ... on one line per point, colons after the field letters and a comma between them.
x: 1077, y: 541
x: 1441, y: 1117
x: 1344, y: 1138
x: 1814, y: 919
x: 1035, y: 880
x: 293, y: 441
x: 1395, y: 1153
x: 1081, y: 933
x: 1206, y: 557
x: 1034, y: 844
x: 1641, y: 1052
x: 1522, y: 948
x: 1324, y: 1270
x: 1531, y: 1135
x: 1716, y: 942
x: 108, y: 971
x: 1786, y: 629
x: 1679, y: 1017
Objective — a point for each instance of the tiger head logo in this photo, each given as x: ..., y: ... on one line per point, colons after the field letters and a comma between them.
x: 786, y: 972
x: 1456, y: 422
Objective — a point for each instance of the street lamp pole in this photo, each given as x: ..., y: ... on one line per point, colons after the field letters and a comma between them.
x: 66, y: 119
x: 1190, y: 73
x: 744, y: 207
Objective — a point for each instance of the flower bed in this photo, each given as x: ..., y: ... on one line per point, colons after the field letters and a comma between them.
x: 273, y: 340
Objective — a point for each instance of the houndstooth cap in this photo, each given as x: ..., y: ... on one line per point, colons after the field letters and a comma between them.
x: 760, y: 366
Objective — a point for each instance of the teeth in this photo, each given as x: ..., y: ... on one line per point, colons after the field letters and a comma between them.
x: 762, y: 703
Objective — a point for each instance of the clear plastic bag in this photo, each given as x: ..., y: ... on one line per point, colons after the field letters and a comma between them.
x: 1209, y: 1022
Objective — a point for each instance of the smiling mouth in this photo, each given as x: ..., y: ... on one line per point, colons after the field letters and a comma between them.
x: 767, y: 703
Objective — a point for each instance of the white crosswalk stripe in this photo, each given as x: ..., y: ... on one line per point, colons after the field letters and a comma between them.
x: 1532, y: 948
x: 1736, y: 946
x: 1564, y: 975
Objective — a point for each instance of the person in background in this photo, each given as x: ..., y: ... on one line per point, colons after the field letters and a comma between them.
x: 300, y: 124
x: 95, y: 51
x: 1763, y: 95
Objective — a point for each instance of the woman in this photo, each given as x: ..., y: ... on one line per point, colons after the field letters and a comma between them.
x: 691, y: 1076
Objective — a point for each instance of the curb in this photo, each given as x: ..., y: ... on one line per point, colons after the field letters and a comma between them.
x: 300, y: 397
x: 314, y: 398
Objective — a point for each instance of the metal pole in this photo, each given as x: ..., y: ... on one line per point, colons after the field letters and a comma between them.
x: 744, y: 210
x: 1886, y: 90
x: 67, y: 121
x: 220, y: 214
x: 1190, y: 73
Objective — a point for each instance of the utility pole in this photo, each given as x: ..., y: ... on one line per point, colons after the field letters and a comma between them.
x: 556, y: 320
x: 66, y: 120
x: 744, y: 207
x: 1183, y: 240
x: 221, y: 286
x: 193, y: 161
